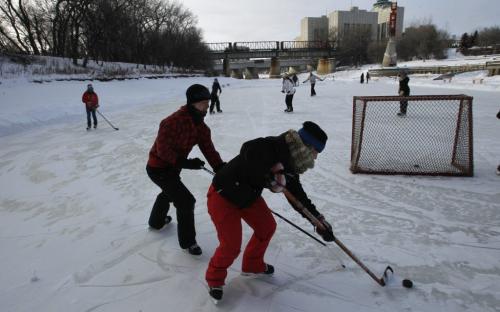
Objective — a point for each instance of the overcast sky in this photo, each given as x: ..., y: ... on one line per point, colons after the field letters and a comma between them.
x: 260, y: 20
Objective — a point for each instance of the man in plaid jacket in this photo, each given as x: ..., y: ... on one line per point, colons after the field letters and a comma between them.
x: 177, y: 135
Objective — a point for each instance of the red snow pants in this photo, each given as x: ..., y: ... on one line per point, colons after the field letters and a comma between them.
x: 227, y: 219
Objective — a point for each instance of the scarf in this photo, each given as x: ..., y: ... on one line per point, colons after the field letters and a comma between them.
x: 301, y: 156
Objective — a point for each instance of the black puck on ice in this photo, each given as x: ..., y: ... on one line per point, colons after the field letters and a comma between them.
x: 407, y: 283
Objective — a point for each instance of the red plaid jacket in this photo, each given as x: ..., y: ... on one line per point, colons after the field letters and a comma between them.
x: 90, y: 99
x: 176, y: 137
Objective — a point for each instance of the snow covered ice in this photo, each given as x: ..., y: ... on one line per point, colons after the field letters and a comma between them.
x: 74, y: 205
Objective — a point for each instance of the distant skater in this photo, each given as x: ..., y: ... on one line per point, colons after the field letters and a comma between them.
x: 404, y: 90
x: 312, y: 80
x: 367, y: 77
x: 91, y: 101
x: 289, y: 91
x: 362, y: 78
x: 498, y: 168
x: 214, y: 97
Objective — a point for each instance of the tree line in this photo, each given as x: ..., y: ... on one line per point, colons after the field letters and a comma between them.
x: 159, y: 32
x: 485, y: 37
x: 422, y: 41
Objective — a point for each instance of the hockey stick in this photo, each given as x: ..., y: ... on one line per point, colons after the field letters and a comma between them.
x: 106, y: 120
x: 382, y: 281
x: 283, y: 218
x: 288, y: 221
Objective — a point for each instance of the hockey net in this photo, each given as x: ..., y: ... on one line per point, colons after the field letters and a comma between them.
x: 434, y: 138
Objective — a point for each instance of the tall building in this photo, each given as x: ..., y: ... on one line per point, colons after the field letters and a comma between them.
x: 383, y: 9
x: 314, y: 28
x: 341, y: 23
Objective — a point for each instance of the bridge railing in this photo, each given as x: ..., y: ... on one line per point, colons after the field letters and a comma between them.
x: 219, y: 46
x: 247, y: 46
x: 307, y: 45
x: 256, y: 46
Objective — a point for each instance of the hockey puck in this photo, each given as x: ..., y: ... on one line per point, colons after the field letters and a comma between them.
x: 407, y: 283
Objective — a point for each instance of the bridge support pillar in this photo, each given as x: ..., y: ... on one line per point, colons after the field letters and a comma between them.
x: 331, y: 65
x: 236, y: 73
x: 275, y: 70
x: 251, y: 73
x: 226, y: 68
x: 323, y: 66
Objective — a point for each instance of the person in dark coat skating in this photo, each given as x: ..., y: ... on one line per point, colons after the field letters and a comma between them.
x: 404, y: 90
x: 235, y: 194
x: 177, y: 135
x: 498, y: 168
x: 91, y: 101
x: 367, y: 77
x: 214, y: 97
x: 362, y: 78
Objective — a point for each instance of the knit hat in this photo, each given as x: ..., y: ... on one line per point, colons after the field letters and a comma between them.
x: 312, y: 134
x: 197, y: 93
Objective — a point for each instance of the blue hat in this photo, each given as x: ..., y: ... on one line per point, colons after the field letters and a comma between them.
x: 312, y: 134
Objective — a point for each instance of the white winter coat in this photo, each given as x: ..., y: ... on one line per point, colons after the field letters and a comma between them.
x: 288, y: 86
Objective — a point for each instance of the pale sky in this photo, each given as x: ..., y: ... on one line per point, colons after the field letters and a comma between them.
x: 279, y: 20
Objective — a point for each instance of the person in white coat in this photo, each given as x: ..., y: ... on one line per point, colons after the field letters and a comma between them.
x: 289, y: 90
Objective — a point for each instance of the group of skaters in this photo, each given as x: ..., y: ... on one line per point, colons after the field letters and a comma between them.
x: 235, y: 193
x: 290, y: 81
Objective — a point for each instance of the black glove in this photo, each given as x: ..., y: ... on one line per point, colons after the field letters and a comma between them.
x: 498, y: 115
x: 192, y: 163
x: 327, y: 233
x: 219, y: 167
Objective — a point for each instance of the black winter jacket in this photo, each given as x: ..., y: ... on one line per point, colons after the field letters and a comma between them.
x: 215, y: 88
x: 403, y: 86
x: 242, y: 179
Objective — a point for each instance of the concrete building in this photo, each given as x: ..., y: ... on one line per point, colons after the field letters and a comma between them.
x: 314, y: 28
x: 341, y: 23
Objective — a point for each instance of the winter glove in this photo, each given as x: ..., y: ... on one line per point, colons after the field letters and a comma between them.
x: 327, y: 233
x: 277, y: 179
x: 498, y: 115
x: 219, y: 167
x: 192, y: 163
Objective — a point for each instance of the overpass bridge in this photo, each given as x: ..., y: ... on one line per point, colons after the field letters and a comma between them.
x: 234, y: 58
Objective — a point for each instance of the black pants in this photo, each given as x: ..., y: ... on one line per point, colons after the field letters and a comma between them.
x: 313, y: 92
x: 91, y: 111
x: 403, y: 105
x: 214, y: 100
x: 288, y: 102
x: 173, y: 190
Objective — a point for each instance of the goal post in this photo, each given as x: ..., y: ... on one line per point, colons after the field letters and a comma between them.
x: 433, y: 138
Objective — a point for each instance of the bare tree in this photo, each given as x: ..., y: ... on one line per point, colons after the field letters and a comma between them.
x: 423, y: 42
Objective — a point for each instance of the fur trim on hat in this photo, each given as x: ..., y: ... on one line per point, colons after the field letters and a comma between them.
x: 301, y: 156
